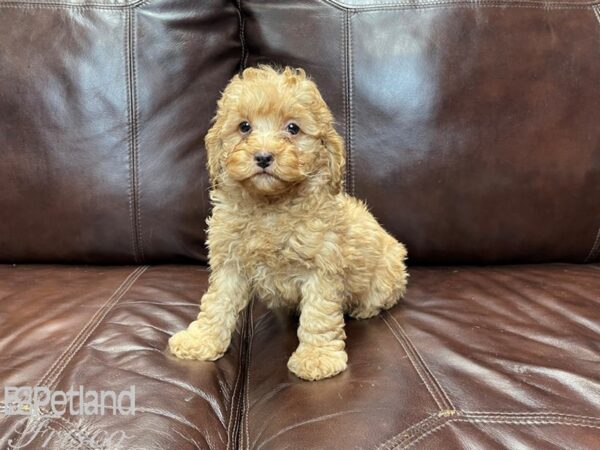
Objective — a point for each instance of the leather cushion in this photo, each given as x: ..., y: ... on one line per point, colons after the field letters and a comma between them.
x: 106, y: 328
x: 472, y: 128
x: 473, y: 358
x: 103, y: 110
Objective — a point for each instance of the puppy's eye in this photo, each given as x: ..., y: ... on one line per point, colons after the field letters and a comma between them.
x: 292, y: 128
x: 245, y: 127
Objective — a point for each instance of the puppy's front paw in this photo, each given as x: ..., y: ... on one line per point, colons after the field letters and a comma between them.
x: 197, y: 344
x: 316, y: 363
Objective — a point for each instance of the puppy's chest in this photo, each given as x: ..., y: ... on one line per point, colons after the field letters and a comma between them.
x: 276, y: 244
x: 275, y: 251
x: 275, y: 256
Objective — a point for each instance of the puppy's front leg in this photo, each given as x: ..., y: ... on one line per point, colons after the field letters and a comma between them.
x: 321, y: 332
x: 208, y: 337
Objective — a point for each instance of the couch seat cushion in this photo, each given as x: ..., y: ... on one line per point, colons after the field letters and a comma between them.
x: 504, y: 357
x: 473, y: 358
x: 106, y: 328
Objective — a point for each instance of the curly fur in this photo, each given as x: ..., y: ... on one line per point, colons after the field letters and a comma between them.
x: 288, y: 234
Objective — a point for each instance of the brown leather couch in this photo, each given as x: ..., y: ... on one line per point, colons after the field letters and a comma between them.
x: 473, y: 133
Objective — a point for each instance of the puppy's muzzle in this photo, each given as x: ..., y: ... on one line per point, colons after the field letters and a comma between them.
x: 263, y: 159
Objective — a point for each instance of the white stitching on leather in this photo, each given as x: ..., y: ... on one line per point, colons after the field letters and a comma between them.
x: 345, y: 96
x: 57, y: 5
x: 92, y: 323
x: 403, y: 439
x: 132, y: 122
x: 95, y: 322
x: 437, y: 384
x: 534, y: 414
x: 446, y: 402
x: 475, y: 417
x: 53, y: 373
x: 420, y: 372
x: 232, y: 405
x: 246, y: 404
x: 135, y: 138
x: 350, y: 104
x: 409, y: 432
x: 474, y: 3
x: 596, y: 9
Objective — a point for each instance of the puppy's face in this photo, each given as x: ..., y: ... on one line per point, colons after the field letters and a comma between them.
x: 273, y: 131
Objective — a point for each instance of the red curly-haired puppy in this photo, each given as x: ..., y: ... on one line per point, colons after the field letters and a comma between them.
x: 282, y: 227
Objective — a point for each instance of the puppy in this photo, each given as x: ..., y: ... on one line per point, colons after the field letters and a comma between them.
x: 282, y: 228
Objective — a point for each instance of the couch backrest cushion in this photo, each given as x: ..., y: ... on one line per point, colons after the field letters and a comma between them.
x: 473, y: 129
x: 103, y: 108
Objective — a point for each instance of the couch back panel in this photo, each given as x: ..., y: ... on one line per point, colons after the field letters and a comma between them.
x: 473, y: 129
x: 103, y: 110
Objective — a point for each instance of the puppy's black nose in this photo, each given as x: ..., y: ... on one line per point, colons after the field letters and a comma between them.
x: 263, y: 159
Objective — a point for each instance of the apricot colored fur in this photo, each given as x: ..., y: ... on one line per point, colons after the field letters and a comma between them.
x: 289, y: 236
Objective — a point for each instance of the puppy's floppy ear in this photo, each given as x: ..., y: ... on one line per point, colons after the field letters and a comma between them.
x: 214, y: 148
x: 331, y: 140
x: 336, y: 158
x: 213, y: 142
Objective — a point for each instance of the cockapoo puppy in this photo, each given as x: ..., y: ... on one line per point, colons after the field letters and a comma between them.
x: 282, y: 228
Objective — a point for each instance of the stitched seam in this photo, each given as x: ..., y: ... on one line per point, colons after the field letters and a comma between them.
x: 242, y: 25
x: 437, y: 384
x: 58, y: 364
x: 419, y: 369
x: 439, y: 427
x: 527, y: 422
x: 93, y: 325
x: 530, y: 417
x: 344, y: 58
x: 58, y: 5
x: 236, y: 432
x: 411, y: 432
x: 350, y: 63
x: 134, y: 213
x: 53, y: 373
x: 414, y: 356
x: 234, y: 405
x: 127, y: 52
x: 479, y: 5
x: 348, y: 104
x: 423, y: 436
x: 534, y: 414
x: 90, y: 322
x: 527, y: 417
x: 248, y: 356
x: 430, y: 425
x: 474, y: 3
x: 136, y: 134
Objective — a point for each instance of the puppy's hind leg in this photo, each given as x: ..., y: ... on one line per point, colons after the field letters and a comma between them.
x: 388, y: 284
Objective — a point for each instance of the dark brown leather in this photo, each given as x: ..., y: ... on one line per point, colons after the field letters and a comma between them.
x: 473, y: 135
x: 472, y: 129
x: 484, y: 358
x: 107, y: 329
x: 103, y: 110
